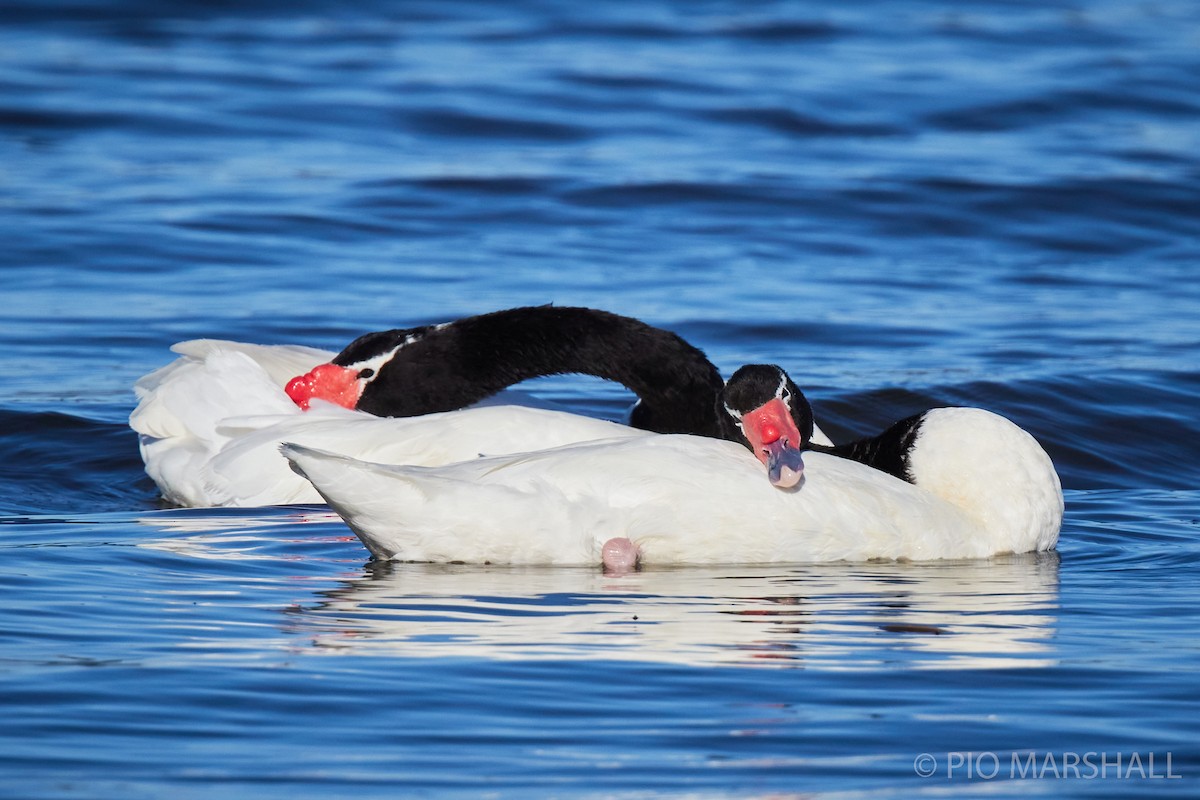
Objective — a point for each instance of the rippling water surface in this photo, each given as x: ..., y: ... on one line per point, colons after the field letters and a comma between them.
x: 906, y: 204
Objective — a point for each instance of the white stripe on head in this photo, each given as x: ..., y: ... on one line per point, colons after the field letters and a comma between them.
x: 782, y: 392
x: 375, y: 363
x: 737, y: 418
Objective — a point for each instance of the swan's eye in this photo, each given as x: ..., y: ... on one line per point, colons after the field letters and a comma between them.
x: 366, y: 373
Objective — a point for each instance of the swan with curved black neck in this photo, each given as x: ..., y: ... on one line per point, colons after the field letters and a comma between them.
x: 210, y: 422
x: 412, y: 371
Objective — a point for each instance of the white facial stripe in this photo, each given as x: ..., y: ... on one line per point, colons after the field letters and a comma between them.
x: 376, y: 362
x: 781, y: 391
x: 737, y: 418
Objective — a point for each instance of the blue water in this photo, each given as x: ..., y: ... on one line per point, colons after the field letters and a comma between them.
x: 905, y: 204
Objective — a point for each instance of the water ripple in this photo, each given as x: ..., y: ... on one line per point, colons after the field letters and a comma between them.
x: 904, y: 204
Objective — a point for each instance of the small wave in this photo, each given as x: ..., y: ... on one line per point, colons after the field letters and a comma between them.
x: 670, y: 193
x: 1130, y: 430
x: 1133, y: 529
x: 793, y: 123
x: 453, y: 122
x: 55, y: 461
x: 1056, y: 106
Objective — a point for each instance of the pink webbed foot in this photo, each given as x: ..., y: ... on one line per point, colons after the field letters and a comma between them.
x: 620, y: 555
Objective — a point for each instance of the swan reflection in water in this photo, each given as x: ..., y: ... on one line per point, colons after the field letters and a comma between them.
x: 271, y: 533
x: 998, y: 612
x: 985, y: 613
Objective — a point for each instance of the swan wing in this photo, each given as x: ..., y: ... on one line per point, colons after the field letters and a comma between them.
x: 681, y: 499
x: 281, y: 362
x: 248, y: 470
x: 210, y: 424
x: 213, y: 380
x: 189, y: 410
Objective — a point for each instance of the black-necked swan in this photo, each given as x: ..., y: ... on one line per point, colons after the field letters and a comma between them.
x: 411, y: 371
x: 981, y: 486
x: 210, y: 422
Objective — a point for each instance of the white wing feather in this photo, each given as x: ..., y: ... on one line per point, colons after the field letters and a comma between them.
x: 211, y: 422
x: 681, y: 499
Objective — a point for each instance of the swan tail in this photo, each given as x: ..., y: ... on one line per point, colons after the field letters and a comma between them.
x: 409, y: 513
x: 357, y: 490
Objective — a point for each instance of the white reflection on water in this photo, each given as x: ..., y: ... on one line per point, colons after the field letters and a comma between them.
x: 1000, y: 612
x: 242, y: 534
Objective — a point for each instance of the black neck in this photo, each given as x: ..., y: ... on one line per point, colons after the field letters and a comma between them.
x: 452, y: 366
x: 887, y: 452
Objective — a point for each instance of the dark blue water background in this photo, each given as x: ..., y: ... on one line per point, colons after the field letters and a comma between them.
x: 906, y: 204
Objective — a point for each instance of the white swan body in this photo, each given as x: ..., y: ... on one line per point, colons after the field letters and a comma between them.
x: 690, y: 500
x: 210, y: 424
